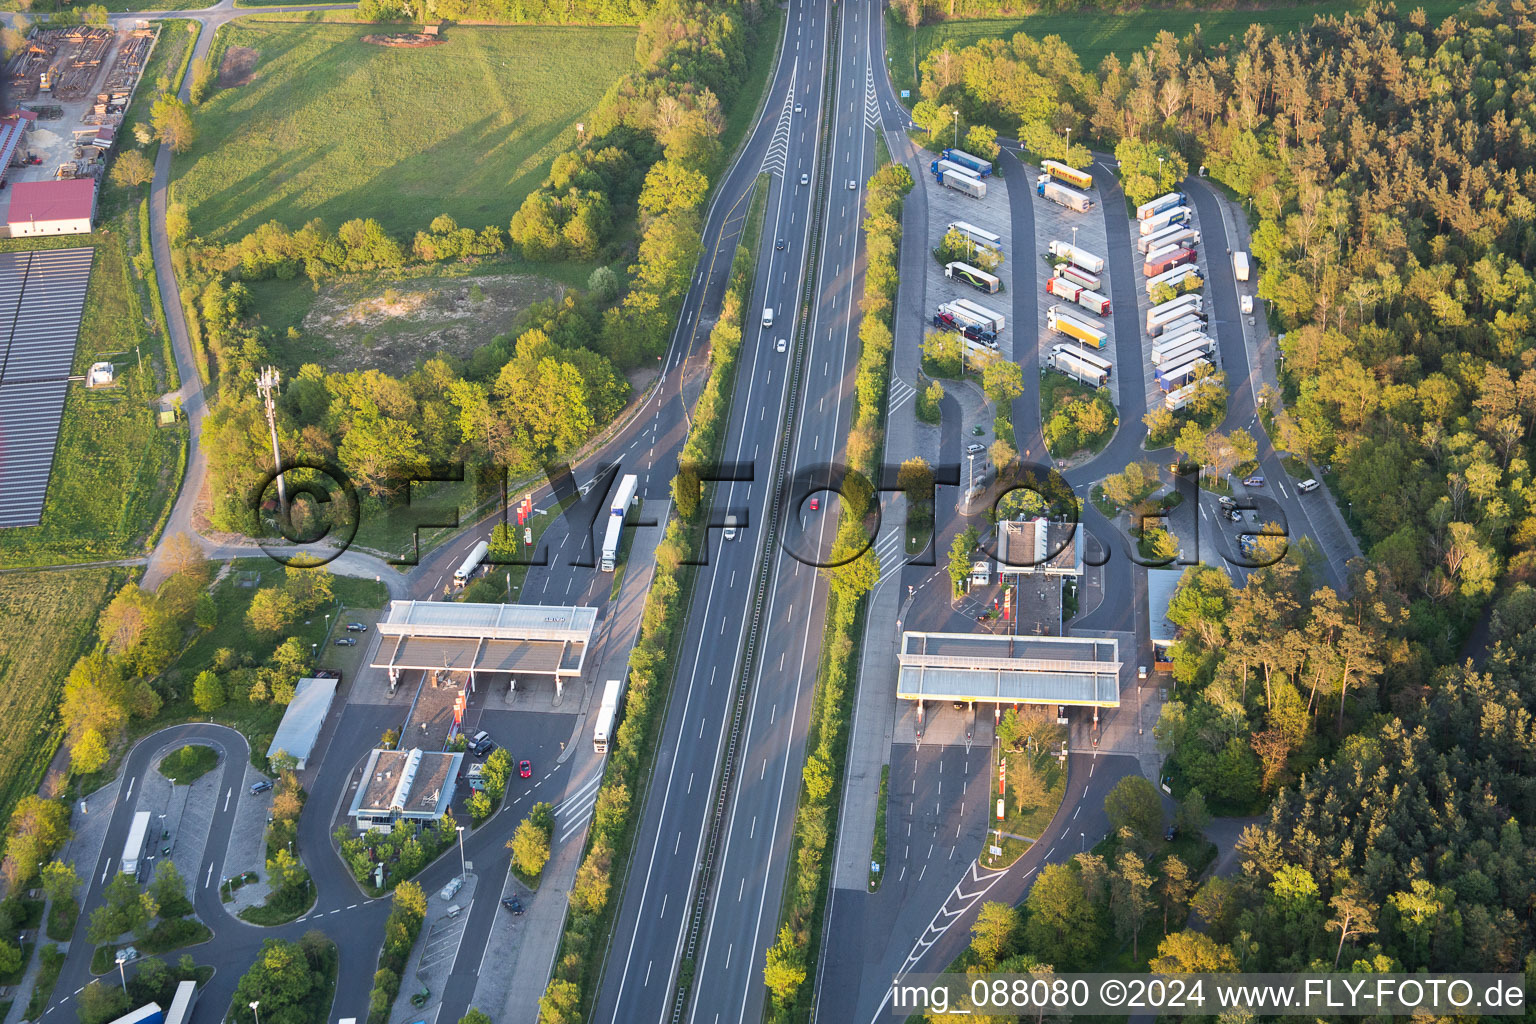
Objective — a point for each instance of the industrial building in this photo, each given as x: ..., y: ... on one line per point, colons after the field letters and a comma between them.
x: 301, y: 723
x: 51, y: 208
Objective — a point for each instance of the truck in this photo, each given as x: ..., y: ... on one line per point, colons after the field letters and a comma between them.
x: 1174, y: 259
x: 1063, y: 289
x: 1160, y: 252
x: 1173, y: 309
x: 1240, y: 264
x: 961, y: 182
x: 1181, y: 350
x: 1153, y: 207
x: 607, y: 715
x: 1073, y: 365
x: 1173, y: 234
x: 976, y: 235
x: 1077, y: 275
x: 1175, y: 377
x: 938, y: 167
x: 1177, y: 215
x: 978, y: 279
x: 1081, y: 257
x: 1061, y: 195
x: 972, y: 332
x: 471, y: 562
x: 617, y: 510
x: 974, y: 164
x: 133, y: 849
x: 149, y: 1013
x: 1176, y: 278
x: 1093, y: 302
x: 981, y: 314
x: 1189, y: 321
x: 1063, y: 322
x: 1071, y: 175
x: 180, y: 1011
x: 1177, y: 399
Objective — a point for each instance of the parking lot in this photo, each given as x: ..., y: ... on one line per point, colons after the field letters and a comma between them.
x: 1054, y: 222
x: 1154, y: 392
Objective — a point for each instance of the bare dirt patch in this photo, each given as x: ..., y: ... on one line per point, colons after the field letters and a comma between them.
x: 238, y: 68
x: 395, y: 327
x: 403, y: 39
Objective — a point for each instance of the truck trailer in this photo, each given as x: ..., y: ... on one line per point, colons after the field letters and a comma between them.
x: 471, y: 562
x: 1173, y: 378
x: 1071, y: 175
x: 975, y: 164
x: 1062, y: 195
x: 1177, y: 399
x: 1240, y: 264
x: 1173, y: 234
x: 976, y: 235
x: 1153, y: 207
x: 1177, y: 215
x: 947, y: 320
x: 978, y: 279
x: 1093, y: 302
x: 1176, y: 278
x: 964, y: 183
x: 1181, y: 350
x: 133, y: 849
x: 1073, y: 365
x: 981, y: 314
x: 941, y: 165
x: 1173, y: 309
x: 1079, y: 276
x: 1062, y: 322
x: 1161, y: 252
x: 1189, y: 321
x: 607, y: 715
x: 1081, y: 257
x: 617, y: 510
x: 1178, y: 258
x: 1063, y: 289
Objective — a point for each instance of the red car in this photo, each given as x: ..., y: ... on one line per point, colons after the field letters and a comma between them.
x: 525, y: 769
x: 815, y: 504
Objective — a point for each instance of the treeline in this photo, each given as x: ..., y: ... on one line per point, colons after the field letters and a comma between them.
x: 1395, y: 266
x: 400, y: 931
x: 856, y: 569
x: 922, y: 12
x: 537, y: 12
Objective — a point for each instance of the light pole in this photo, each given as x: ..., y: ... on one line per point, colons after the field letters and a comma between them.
x: 463, y: 865
x: 1081, y: 846
x: 255, y: 1004
x: 122, y: 975
x: 1159, y: 172
x: 970, y: 489
x: 957, y: 127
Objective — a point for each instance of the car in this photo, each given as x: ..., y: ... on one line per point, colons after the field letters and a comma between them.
x: 261, y: 787
x: 357, y: 627
x: 1234, y: 515
x: 513, y: 904
x: 815, y: 504
x: 1170, y: 832
x: 959, y: 705
x: 346, y: 641
x: 1141, y: 673
x: 805, y: 179
x: 975, y: 449
x: 1225, y: 502
x: 451, y: 890
x: 782, y: 346
x: 481, y: 743
x: 327, y: 673
x: 1308, y: 485
x: 1253, y: 481
x: 852, y: 184
x: 779, y: 244
x: 525, y: 769
x: 127, y: 955
x: 798, y: 108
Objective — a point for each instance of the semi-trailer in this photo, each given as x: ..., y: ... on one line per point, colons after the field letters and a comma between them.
x: 1077, y: 275
x: 1175, y: 377
x: 962, y: 182
x: 607, y: 715
x: 471, y: 562
x: 1177, y: 399
x: 1171, y: 310
x: 1071, y: 364
x: 1063, y: 322
x: 1063, y: 289
x: 1181, y: 350
x: 1176, y: 278
x: 1153, y: 207
x: 617, y: 510
x: 1089, y: 357
x: 1161, y: 252
x: 992, y: 321
x: 1093, y: 302
x: 1081, y: 257
x: 1240, y: 265
x: 1071, y: 175
x: 963, y: 316
x: 1062, y: 195
x: 940, y: 166
x: 978, y: 279
x: 1177, y: 215
x: 133, y: 849
x: 1173, y: 326
x: 974, y: 164
x: 977, y: 235
x: 972, y: 332
x: 1174, y: 234
x: 1168, y: 262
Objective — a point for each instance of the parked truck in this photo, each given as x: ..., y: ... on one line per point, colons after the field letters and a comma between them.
x: 1177, y: 278
x: 1175, y: 377
x: 939, y: 166
x: 1177, y: 215
x: 947, y: 320
x: 133, y: 849
x: 1177, y: 399
x: 1173, y: 234
x: 1153, y: 207
x: 1166, y: 263
x: 980, y: 314
x: 1173, y: 309
x: 1093, y: 302
x: 1161, y: 252
x: 617, y: 510
x: 1063, y: 289
x: 1071, y: 175
x: 471, y: 562
x: 962, y: 182
x: 1077, y: 275
x: 1187, y: 322
x: 1075, y: 366
x: 1240, y: 264
x: 974, y: 164
x: 1062, y: 322
x: 976, y: 278
x: 1062, y: 195
x: 607, y: 715
x: 1181, y: 350
x: 1081, y: 257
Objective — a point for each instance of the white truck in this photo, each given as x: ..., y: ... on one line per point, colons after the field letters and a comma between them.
x: 471, y: 562
x: 1178, y: 215
x: 1081, y: 257
x: 1240, y: 264
x: 1177, y: 277
x: 607, y: 715
x: 1183, y: 323
x: 1153, y: 207
x: 617, y: 510
x: 1078, y: 367
x: 988, y: 319
x: 1062, y: 195
x: 133, y: 849
x: 960, y: 181
x: 1173, y: 401
x: 1174, y: 234
x: 1173, y: 309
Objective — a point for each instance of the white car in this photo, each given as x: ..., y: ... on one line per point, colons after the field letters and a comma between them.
x: 797, y: 108
x: 451, y: 890
x: 852, y: 184
x: 782, y: 346
x: 805, y: 179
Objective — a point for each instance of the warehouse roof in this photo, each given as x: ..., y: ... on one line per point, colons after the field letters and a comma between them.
x: 301, y: 723
x: 43, y: 201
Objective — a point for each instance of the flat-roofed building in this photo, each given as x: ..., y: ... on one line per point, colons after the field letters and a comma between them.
x: 1038, y: 546
x: 415, y: 784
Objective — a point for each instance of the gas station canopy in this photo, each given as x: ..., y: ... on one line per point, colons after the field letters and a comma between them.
x: 1003, y: 669
x: 521, y: 639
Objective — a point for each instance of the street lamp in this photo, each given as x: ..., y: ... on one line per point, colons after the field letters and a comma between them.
x: 463, y: 865
x: 970, y: 459
x: 253, y: 1010
x: 957, y: 127
x: 122, y: 975
x: 1082, y: 841
x: 1159, y: 172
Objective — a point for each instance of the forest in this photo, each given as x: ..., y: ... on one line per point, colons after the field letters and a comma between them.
x: 633, y: 189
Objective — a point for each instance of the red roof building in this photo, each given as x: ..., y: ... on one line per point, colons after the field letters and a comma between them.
x: 51, y: 207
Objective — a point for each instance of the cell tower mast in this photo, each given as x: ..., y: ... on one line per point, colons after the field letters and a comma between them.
x: 266, y: 383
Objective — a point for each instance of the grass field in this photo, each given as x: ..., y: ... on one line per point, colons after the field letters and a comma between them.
x: 47, y: 619
x: 1095, y: 34
x: 329, y: 126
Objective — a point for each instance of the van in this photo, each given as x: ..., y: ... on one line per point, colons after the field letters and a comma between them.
x: 1307, y: 485
x: 767, y: 316
x: 730, y: 527
x: 1246, y: 303
x: 454, y: 911
x: 481, y: 744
